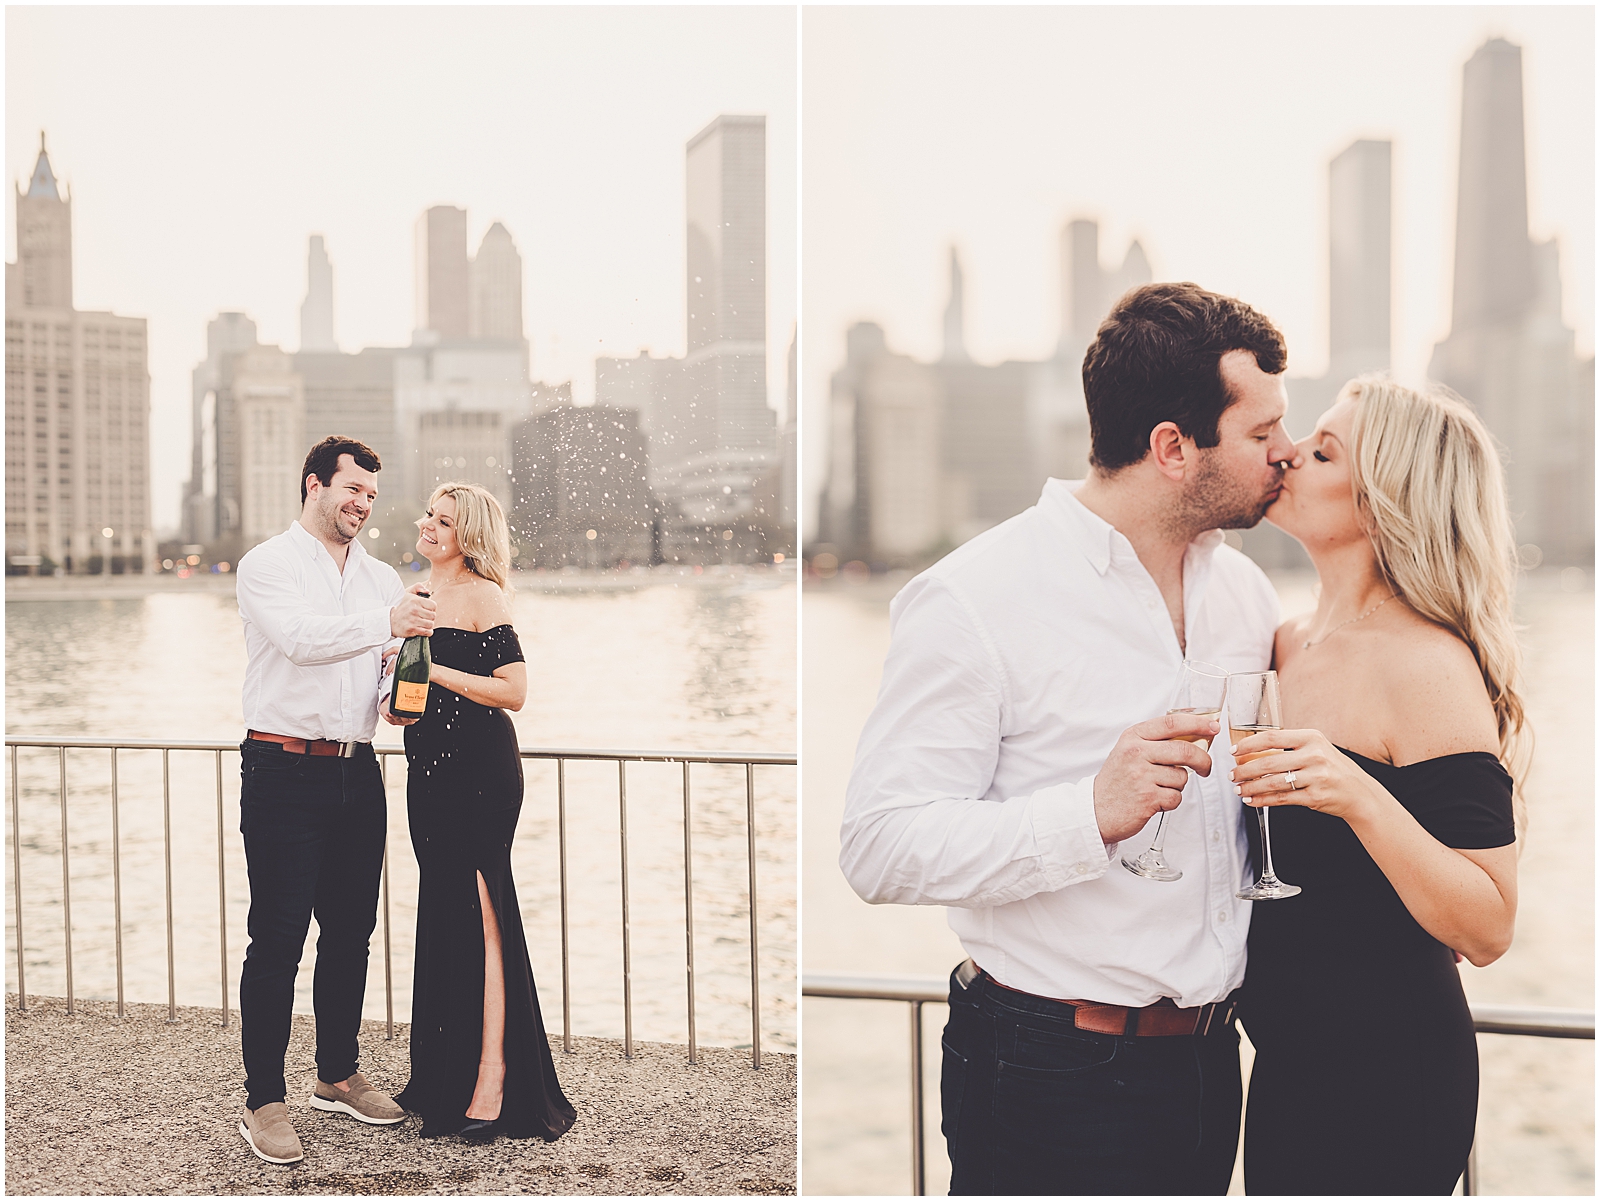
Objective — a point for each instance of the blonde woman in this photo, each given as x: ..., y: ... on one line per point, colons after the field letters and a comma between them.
x: 480, y: 1062
x: 1393, y: 802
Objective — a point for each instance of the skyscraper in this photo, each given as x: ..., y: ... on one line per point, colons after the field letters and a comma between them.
x: 442, y: 287
x: 1494, y: 258
x: 44, y: 241
x: 316, y: 311
x: 495, y: 308
x: 1509, y: 352
x: 1358, y: 259
x: 955, y: 315
x: 712, y: 433
x: 77, y: 407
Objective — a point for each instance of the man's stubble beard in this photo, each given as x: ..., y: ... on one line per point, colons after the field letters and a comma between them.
x: 328, y: 515
x: 1213, y: 501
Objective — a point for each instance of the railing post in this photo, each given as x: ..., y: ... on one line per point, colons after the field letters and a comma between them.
x: 222, y: 899
x: 16, y: 879
x: 388, y: 965
x: 66, y: 879
x: 116, y: 879
x: 627, y: 950
x: 166, y: 830
x: 918, y: 1183
x: 755, y: 946
x: 566, y: 967
x: 1469, y: 1177
x: 688, y: 906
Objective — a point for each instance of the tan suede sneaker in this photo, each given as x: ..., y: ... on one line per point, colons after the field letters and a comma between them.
x: 271, y: 1134
x: 363, y: 1102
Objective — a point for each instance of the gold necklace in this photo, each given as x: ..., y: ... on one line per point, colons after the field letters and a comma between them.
x: 1308, y: 644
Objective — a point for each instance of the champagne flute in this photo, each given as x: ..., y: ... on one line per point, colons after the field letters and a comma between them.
x: 1199, y: 693
x: 1253, y: 706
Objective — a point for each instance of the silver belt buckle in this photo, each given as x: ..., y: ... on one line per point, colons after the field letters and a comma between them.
x: 347, y: 750
x: 966, y: 974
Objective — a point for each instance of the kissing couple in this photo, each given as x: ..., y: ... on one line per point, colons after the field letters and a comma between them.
x: 1023, y: 750
x: 322, y: 621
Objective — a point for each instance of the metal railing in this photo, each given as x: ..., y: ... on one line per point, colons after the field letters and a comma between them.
x: 917, y: 992
x: 750, y: 760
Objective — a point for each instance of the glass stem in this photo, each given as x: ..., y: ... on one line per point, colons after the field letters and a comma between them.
x: 1266, y: 846
x: 1155, y: 843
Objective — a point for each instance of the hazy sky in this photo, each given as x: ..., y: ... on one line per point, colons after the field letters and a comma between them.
x: 203, y: 145
x: 1204, y: 132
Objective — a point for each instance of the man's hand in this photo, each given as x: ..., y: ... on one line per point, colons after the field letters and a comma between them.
x: 383, y: 712
x: 1144, y: 773
x: 413, y: 615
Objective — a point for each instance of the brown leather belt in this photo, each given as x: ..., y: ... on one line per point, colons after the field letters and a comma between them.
x: 306, y: 746
x: 1163, y: 1019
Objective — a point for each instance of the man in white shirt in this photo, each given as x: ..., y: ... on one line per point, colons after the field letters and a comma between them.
x: 318, y: 612
x: 1019, y: 743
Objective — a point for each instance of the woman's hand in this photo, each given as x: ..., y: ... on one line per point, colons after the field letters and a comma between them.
x: 1325, y: 779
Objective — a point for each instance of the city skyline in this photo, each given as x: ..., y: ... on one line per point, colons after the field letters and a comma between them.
x: 594, y: 204
x: 962, y: 133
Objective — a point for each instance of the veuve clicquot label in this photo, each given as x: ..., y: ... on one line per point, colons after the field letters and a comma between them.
x: 409, y: 697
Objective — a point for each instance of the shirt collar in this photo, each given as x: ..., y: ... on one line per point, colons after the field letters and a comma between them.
x: 310, y: 545
x: 1096, y: 538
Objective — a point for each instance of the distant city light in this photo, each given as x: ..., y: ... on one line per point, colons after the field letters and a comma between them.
x: 166, y: 564
x: 778, y: 558
x: 590, y: 535
x: 373, y: 533
x: 194, y: 560
x: 107, y: 532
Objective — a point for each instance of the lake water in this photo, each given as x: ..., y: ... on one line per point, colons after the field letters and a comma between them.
x: 1536, y: 1116
x: 662, y: 660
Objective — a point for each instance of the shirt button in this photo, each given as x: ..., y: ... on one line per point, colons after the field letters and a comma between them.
x: 1216, y: 836
x: 1222, y: 915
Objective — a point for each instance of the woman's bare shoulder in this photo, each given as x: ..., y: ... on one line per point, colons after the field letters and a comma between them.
x: 1433, y: 691
x: 489, y: 605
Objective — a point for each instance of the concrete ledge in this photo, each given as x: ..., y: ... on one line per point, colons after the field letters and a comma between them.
x: 97, y: 1106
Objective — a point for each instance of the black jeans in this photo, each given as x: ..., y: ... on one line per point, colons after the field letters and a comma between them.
x: 1033, y: 1105
x: 313, y: 831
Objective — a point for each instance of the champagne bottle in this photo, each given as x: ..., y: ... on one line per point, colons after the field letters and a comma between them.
x: 409, y: 696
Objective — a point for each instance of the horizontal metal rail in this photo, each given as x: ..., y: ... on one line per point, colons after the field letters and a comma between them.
x: 759, y: 758
x: 917, y: 991
x: 749, y: 760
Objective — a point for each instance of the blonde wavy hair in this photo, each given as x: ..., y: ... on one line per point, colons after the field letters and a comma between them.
x: 1428, y: 483
x: 481, y: 530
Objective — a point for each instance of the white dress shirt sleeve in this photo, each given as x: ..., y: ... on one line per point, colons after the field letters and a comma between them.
x: 272, y: 600
x: 918, y: 827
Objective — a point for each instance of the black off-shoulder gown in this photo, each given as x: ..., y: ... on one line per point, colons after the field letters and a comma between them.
x: 1366, y: 1074
x: 464, y: 796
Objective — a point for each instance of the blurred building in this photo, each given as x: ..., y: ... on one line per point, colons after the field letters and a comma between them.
x: 441, y: 273
x: 213, y: 459
x: 77, y: 407
x: 462, y: 384
x: 495, y: 309
x: 1360, y: 287
x: 712, y: 437
x: 923, y: 456
x: 316, y: 311
x: 269, y: 400
x: 1510, y: 352
x: 582, y: 489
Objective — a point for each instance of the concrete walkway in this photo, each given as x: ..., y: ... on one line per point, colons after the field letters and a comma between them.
x: 95, y: 1105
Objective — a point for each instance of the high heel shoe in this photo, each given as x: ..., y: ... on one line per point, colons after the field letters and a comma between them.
x: 480, y: 1130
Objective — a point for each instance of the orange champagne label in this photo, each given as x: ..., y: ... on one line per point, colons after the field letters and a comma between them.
x: 413, y: 698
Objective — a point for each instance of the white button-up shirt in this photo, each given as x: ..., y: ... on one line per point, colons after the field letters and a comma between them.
x: 314, y: 637
x: 1014, y: 664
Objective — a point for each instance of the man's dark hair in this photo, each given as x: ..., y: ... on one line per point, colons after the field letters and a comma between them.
x: 1156, y: 358
x: 323, y: 460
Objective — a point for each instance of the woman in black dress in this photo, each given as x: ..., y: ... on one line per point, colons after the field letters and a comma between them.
x: 1393, y: 803
x: 480, y: 1061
